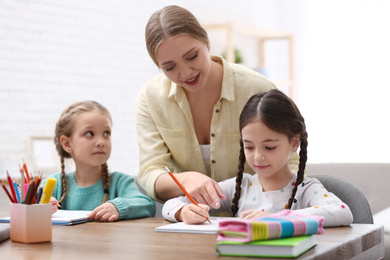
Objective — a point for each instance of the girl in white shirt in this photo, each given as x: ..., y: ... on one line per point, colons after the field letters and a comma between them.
x: 271, y: 129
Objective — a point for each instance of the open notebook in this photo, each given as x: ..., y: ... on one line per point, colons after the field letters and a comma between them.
x: 64, y: 217
x: 70, y: 217
x: 205, y: 228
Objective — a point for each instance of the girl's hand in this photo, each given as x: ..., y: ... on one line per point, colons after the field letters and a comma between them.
x: 192, y: 214
x: 105, y: 212
x: 249, y: 214
x: 54, y: 205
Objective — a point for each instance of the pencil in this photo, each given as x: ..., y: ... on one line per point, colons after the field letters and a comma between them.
x: 37, y: 183
x: 22, y: 173
x: 26, y: 171
x: 30, y: 193
x: 22, y: 182
x: 11, y: 187
x: 17, y: 191
x: 183, y: 189
x: 6, y: 191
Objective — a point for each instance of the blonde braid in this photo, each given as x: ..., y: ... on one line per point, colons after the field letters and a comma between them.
x: 63, y: 180
x: 106, y: 181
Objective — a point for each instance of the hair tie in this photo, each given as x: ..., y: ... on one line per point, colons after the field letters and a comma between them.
x: 106, y: 191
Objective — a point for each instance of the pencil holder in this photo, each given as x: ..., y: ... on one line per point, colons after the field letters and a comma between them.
x: 30, y: 223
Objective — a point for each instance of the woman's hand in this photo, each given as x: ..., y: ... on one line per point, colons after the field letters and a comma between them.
x: 192, y: 214
x: 105, y: 212
x: 249, y: 214
x: 201, y: 187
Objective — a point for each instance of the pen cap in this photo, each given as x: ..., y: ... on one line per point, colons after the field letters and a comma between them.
x: 48, y: 190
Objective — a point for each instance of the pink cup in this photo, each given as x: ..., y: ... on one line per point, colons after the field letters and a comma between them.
x: 30, y: 223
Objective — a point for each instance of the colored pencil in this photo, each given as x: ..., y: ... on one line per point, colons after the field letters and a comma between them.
x: 183, y: 189
x: 22, y: 182
x: 30, y: 193
x: 17, y: 192
x: 6, y: 191
x: 11, y: 187
x: 22, y: 173
x: 26, y: 171
x: 37, y: 183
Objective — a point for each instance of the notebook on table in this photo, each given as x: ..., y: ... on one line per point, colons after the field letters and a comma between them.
x: 70, y: 217
x: 4, y: 231
x: 180, y: 227
x: 205, y: 228
x: 64, y: 217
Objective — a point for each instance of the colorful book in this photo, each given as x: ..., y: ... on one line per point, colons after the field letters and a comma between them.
x: 279, y: 248
x: 283, y: 224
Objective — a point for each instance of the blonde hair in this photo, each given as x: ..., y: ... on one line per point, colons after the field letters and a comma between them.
x: 171, y: 21
x: 65, y: 125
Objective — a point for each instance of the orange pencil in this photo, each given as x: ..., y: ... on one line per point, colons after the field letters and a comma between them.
x: 183, y: 189
x: 26, y: 171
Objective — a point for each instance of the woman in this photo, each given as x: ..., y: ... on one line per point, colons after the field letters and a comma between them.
x: 187, y: 117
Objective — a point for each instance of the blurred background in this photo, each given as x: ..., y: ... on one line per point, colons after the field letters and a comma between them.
x: 333, y: 64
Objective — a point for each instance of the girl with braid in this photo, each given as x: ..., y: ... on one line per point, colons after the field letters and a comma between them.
x: 83, y: 133
x: 271, y: 128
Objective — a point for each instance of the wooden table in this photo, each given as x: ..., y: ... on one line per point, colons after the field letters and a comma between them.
x: 136, y: 239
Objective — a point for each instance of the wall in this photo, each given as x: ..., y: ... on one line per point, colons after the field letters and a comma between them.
x: 345, y: 88
x: 53, y: 53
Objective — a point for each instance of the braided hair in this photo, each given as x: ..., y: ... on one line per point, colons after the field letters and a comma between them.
x: 64, y: 127
x: 279, y: 113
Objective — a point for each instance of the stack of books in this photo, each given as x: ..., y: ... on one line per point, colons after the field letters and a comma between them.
x: 284, y: 234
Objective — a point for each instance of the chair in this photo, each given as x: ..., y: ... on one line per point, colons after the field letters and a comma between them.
x: 351, y: 195
x: 158, y: 205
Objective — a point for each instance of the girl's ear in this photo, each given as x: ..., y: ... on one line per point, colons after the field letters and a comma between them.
x: 65, y: 143
x: 295, y: 142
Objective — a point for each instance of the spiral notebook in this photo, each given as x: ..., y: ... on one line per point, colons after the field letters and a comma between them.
x: 70, y: 217
x: 64, y: 217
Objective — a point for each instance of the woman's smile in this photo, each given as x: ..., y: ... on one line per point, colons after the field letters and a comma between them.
x: 193, y: 81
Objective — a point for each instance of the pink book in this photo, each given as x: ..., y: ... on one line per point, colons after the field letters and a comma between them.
x: 285, y: 223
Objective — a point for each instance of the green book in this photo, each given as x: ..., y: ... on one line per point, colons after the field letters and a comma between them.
x: 283, y: 247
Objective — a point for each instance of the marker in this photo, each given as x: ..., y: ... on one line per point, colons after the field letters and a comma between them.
x: 39, y: 195
x: 48, y: 190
